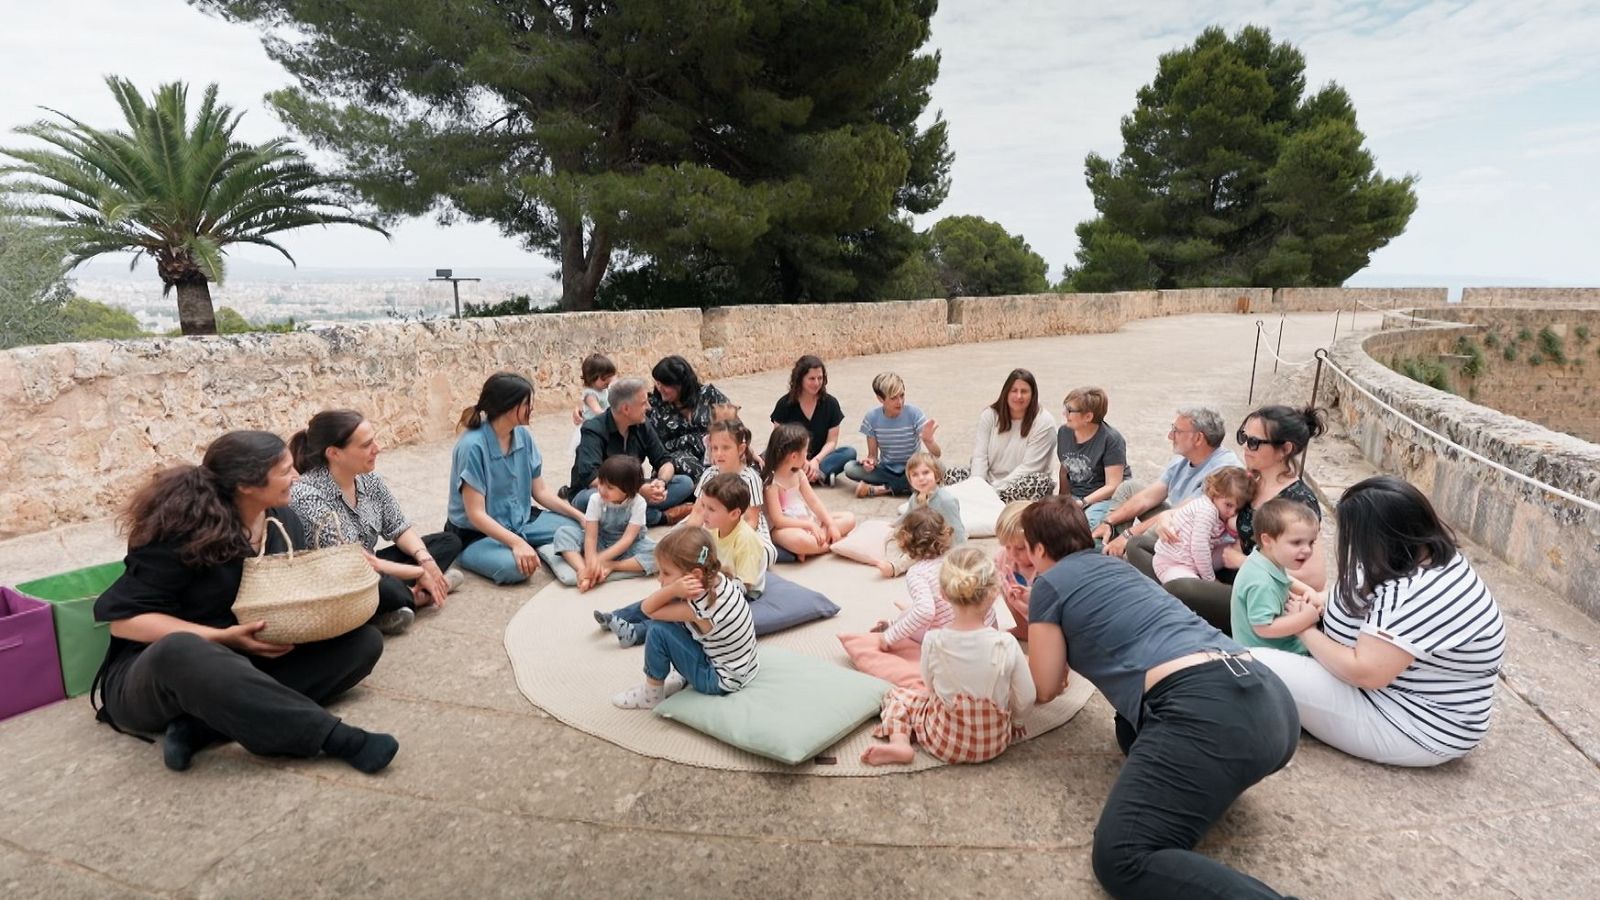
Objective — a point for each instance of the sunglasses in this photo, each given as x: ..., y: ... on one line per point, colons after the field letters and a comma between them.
x: 1254, y: 443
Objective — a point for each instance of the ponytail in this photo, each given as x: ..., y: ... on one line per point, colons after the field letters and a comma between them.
x: 329, y: 428
x: 741, y: 436
x: 501, y: 393
x: 1298, y: 427
x: 194, y: 505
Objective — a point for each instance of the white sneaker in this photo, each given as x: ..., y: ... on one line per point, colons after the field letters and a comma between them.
x: 640, y: 696
x: 453, y: 578
x: 395, y: 621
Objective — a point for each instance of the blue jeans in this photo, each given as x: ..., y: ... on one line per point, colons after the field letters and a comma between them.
x: 895, y: 481
x: 569, y: 539
x: 494, y: 560
x: 668, y: 646
x: 835, y: 461
x: 679, y: 490
x: 1096, y: 513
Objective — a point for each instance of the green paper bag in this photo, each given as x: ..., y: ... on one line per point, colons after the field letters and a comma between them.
x: 79, y: 638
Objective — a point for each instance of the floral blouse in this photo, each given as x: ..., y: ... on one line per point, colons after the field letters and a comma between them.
x: 685, y: 437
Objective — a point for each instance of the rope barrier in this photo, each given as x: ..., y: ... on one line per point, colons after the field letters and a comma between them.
x: 1527, y: 479
x: 1280, y: 359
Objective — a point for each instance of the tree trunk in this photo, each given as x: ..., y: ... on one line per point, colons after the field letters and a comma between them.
x: 195, y: 315
x: 582, y: 270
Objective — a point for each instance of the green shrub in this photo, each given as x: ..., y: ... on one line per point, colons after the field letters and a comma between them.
x: 88, y: 320
x: 1524, y: 335
x: 1510, y: 353
x: 520, y: 305
x: 1582, y: 333
x: 1473, y: 366
x: 1491, y: 340
x: 1550, y: 345
x: 1535, y: 359
x: 1424, y: 371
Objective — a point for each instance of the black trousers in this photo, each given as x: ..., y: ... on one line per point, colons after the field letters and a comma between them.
x: 1212, y: 600
x: 394, y: 593
x: 272, y: 707
x: 1207, y: 734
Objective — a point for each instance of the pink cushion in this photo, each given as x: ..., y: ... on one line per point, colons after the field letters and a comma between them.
x: 866, y: 543
x: 900, y: 666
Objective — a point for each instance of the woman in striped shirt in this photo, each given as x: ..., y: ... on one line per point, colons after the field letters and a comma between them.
x: 1402, y: 668
x: 701, y: 625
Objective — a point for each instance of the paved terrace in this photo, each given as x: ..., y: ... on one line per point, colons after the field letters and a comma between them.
x: 490, y: 797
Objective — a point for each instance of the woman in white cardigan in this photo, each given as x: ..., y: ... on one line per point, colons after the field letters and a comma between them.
x: 1014, y: 447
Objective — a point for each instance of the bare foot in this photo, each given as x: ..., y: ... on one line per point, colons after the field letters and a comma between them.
x: 885, y: 568
x: 889, y: 755
x: 584, y: 584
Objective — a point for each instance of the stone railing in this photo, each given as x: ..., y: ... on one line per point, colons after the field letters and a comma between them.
x: 1555, y: 540
x: 85, y: 423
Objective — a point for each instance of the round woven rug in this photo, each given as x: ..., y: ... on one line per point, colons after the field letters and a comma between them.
x: 569, y: 667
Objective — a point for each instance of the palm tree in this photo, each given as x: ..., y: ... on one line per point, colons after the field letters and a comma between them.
x: 177, y: 191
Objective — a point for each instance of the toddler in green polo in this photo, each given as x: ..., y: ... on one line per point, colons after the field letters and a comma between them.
x: 1286, y: 536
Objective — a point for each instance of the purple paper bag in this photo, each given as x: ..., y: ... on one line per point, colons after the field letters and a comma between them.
x: 30, y: 668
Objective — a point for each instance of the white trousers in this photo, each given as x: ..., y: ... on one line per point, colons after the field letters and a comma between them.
x: 1338, y: 715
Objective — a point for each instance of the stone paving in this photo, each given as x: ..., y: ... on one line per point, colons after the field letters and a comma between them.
x: 490, y: 797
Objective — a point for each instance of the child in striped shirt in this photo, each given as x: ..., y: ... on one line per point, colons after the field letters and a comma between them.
x: 894, y: 431
x: 1201, y: 527
x: 700, y: 625
x: 923, y: 536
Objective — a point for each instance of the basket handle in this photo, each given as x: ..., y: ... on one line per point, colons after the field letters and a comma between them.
x: 287, y: 541
x: 332, y: 516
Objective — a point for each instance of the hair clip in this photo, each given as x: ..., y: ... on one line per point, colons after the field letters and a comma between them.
x: 705, y: 553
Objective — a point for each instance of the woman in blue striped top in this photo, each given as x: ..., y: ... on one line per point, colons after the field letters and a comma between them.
x: 1403, y: 664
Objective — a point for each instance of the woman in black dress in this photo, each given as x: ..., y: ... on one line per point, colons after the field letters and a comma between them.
x: 180, y: 664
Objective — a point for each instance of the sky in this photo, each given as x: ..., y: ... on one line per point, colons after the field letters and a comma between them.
x: 1495, y: 106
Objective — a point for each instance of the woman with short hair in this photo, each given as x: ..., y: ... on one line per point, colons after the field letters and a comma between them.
x: 1403, y: 662
x: 1198, y: 719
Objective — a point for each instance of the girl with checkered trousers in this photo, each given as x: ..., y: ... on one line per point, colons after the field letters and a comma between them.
x: 977, y: 678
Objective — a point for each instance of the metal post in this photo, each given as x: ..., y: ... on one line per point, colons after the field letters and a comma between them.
x: 456, y: 286
x: 1336, y: 314
x: 1279, y: 352
x: 1254, y: 359
x: 1316, y: 385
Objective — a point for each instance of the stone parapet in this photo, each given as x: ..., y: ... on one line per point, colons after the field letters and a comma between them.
x: 1321, y: 299
x: 1530, y: 296
x: 738, y: 340
x: 1555, y: 540
x: 85, y: 423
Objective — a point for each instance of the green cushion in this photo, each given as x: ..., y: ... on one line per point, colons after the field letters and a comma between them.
x: 797, y: 707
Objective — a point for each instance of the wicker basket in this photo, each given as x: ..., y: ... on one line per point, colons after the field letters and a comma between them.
x: 309, y: 596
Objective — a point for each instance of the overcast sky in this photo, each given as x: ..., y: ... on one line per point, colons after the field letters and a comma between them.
x: 1495, y: 105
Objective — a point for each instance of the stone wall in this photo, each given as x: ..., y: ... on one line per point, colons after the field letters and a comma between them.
x: 86, y: 423
x: 1312, y: 299
x: 1517, y: 372
x: 1530, y: 296
x: 1555, y: 540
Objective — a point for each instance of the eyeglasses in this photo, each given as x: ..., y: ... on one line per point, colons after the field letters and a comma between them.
x: 1252, y: 443
x: 1173, y: 431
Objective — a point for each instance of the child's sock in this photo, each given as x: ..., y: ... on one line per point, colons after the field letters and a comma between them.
x: 367, y: 751
x: 629, y: 634
x: 640, y: 696
x: 604, y: 618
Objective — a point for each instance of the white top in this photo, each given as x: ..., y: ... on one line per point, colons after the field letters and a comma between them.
x: 731, y: 642
x: 1445, y: 618
x: 1002, y: 458
x: 983, y: 663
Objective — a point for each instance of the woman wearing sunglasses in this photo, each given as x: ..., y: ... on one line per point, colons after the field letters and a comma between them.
x: 1273, y: 442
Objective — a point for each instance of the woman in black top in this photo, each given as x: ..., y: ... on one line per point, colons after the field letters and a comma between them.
x: 809, y: 405
x: 1273, y: 443
x: 180, y: 663
x: 681, y: 410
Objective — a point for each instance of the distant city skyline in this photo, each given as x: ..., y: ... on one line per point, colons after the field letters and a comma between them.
x: 1495, y: 106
